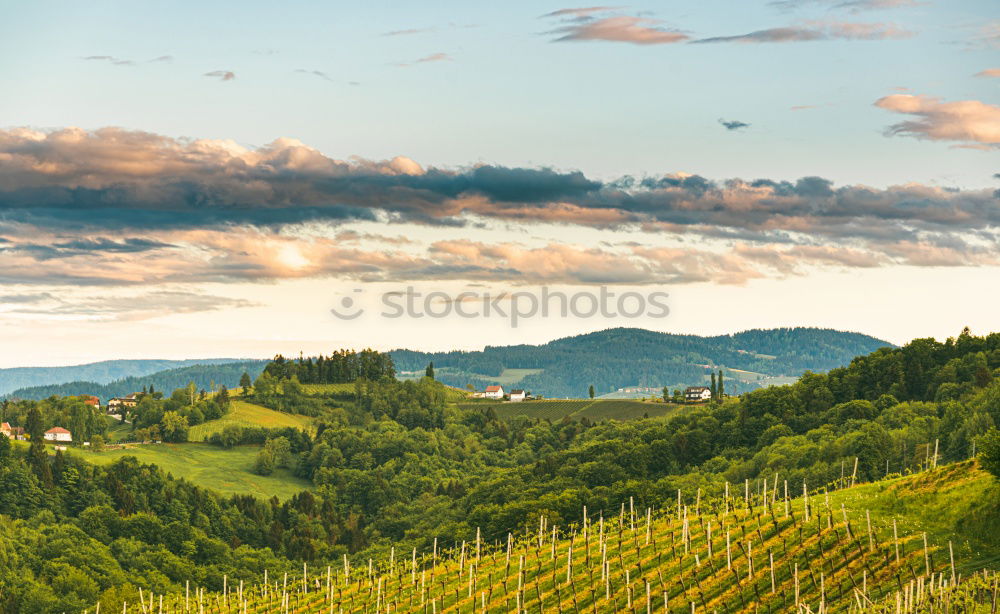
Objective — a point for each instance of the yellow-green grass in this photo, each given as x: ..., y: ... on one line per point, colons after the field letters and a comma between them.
x: 957, y: 502
x: 730, y: 560
x: 242, y: 413
x: 227, y: 471
x: 592, y: 409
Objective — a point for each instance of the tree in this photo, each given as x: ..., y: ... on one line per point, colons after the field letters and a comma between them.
x: 666, y: 394
x: 174, y: 427
x: 264, y: 464
x: 715, y: 391
x: 591, y: 391
x: 989, y: 452
x: 721, y: 386
x: 429, y: 372
x: 245, y: 383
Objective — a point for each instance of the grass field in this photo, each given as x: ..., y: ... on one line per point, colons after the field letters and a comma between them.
x: 592, y: 409
x: 787, y: 556
x: 225, y: 471
x: 242, y: 413
x: 956, y: 502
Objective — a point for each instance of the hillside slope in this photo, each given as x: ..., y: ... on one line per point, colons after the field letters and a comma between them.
x: 777, y: 554
x: 620, y: 357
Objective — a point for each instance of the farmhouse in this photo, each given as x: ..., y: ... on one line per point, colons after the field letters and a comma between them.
x: 518, y: 395
x: 58, y: 433
x: 697, y: 394
x: 493, y: 392
x: 91, y: 400
x: 117, y: 404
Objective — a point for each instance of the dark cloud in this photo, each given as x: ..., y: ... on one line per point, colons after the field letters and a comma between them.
x: 78, y: 182
x: 733, y: 124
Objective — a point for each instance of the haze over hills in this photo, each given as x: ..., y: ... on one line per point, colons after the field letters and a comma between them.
x: 203, y: 375
x: 609, y: 359
x: 621, y: 357
x: 102, y: 372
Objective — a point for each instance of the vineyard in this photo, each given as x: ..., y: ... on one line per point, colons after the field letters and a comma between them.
x: 756, y: 549
x: 592, y: 409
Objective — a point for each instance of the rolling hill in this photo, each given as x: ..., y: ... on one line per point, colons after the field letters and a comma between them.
x: 886, y: 542
x: 103, y: 372
x: 621, y: 357
x: 204, y: 375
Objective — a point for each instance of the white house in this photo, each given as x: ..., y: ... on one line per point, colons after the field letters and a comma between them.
x: 517, y: 395
x: 493, y: 392
x: 58, y: 433
x: 698, y: 394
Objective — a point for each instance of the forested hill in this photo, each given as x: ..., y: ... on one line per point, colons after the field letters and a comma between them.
x: 203, y: 375
x: 98, y: 372
x: 621, y: 357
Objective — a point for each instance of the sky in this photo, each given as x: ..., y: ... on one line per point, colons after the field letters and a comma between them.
x: 212, y: 179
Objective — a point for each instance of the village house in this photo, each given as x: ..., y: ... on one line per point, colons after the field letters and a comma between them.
x: 518, y: 395
x: 697, y: 394
x: 58, y: 433
x: 117, y: 405
x: 91, y: 400
x: 493, y: 392
x: 12, y: 432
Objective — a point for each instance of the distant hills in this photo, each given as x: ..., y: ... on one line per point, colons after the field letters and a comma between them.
x: 137, y: 375
x: 608, y: 359
x: 622, y: 357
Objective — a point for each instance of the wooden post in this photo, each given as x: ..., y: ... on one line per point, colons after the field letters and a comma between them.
x: 895, y: 539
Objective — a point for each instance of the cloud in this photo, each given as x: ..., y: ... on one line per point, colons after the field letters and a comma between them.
x: 803, y: 107
x: 109, y: 59
x: 618, y: 29
x: 989, y: 72
x: 816, y: 31
x: 123, y: 62
x: 434, y: 57
x: 851, y: 5
x: 582, y: 12
x: 116, y: 306
x: 221, y: 75
x: 970, y: 122
x: 114, y: 206
x: 315, y: 73
x: 733, y: 124
x: 407, y: 32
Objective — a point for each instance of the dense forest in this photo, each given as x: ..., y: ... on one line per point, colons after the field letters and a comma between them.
x: 103, y: 372
x: 337, y: 368
x: 619, y: 357
x: 396, y: 464
x: 205, y: 376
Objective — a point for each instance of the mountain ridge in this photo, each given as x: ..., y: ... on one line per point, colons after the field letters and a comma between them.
x: 620, y: 357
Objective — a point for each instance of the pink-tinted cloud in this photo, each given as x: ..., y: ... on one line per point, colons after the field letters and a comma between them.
x: 965, y: 121
x: 221, y: 75
x: 989, y: 72
x: 582, y: 25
